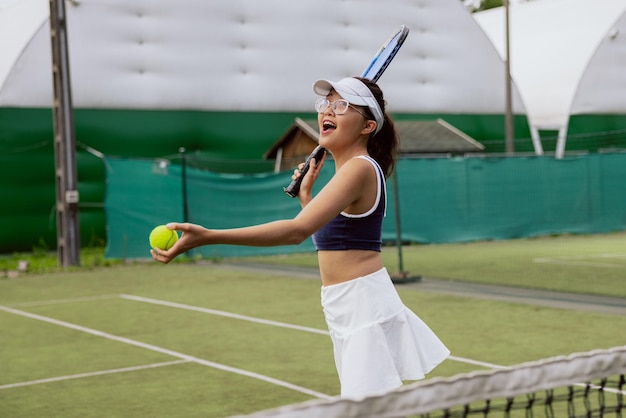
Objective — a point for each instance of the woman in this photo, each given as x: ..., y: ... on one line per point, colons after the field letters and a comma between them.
x: 378, y: 342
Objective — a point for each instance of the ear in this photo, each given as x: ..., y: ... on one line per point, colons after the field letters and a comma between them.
x: 370, y: 126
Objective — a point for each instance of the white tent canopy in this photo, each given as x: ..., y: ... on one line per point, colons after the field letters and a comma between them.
x: 250, y: 54
x: 564, y: 57
x: 602, y: 88
x: 19, y: 20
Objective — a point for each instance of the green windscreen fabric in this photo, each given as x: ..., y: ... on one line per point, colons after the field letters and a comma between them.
x: 441, y: 200
x: 141, y: 194
x: 467, y: 199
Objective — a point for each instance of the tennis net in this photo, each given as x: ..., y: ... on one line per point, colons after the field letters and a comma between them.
x: 590, y: 384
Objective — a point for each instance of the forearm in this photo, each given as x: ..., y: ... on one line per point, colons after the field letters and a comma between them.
x: 304, y: 199
x: 282, y: 232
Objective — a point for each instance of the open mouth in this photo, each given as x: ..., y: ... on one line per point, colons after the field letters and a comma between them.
x: 328, y: 126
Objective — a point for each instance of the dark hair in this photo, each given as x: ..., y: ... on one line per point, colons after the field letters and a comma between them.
x: 382, y: 145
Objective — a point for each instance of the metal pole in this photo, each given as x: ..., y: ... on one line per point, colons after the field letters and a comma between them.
x: 510, y: 145
x: 183, y: 168
x: 401, y: 276
x: 68, y: 231
x: 396, y: 205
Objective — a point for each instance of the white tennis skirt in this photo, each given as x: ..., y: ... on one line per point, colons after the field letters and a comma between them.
x: 378, y: 342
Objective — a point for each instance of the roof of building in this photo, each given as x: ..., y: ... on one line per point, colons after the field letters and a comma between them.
x: 416, y: 137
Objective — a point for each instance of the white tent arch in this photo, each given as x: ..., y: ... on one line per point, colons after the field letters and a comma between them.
x: 554, y: 57
x: 19, y: 20
x: 602, y: 89
x: 250, y: 55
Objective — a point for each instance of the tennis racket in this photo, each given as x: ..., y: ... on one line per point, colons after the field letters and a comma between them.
x: 374, y: 70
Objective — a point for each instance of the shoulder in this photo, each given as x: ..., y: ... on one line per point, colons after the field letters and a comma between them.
x: 357, y: 175
x: 358, y: 167
x: 362, y: 161
x: 370, y: 160
x: 354, y: 165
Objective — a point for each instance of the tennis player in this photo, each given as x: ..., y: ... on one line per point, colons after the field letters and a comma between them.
x: 378, y: 342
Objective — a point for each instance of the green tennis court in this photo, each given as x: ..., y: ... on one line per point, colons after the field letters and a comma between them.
x: 586, y: 264
x: 213, y: 340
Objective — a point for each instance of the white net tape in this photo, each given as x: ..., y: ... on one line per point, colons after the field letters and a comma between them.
x: 441, y: 393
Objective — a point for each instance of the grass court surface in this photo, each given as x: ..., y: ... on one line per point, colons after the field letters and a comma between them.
x: 208, y: 341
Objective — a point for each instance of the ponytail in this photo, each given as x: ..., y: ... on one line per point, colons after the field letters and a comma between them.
x: 382, y: 145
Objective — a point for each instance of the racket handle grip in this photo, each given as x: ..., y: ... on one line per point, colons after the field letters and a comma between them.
x: 294, y: 187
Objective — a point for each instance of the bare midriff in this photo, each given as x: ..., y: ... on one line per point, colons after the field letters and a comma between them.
x: 341, y: 266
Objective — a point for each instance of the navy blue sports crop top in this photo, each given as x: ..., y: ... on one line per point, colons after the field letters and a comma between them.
x: 356, y: 232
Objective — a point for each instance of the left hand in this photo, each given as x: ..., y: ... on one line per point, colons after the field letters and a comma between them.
x: 306, y: 187
x: 192, y: 236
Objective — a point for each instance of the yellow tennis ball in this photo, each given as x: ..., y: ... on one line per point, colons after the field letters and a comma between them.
x: 162, y: 238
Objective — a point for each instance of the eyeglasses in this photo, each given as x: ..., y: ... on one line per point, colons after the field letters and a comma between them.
x: 339, y: 106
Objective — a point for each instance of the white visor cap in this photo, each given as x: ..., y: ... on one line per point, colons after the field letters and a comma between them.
x: 354, y: 91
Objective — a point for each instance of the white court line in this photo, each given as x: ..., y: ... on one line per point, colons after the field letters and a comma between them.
x: 58, y: 301
x: 90, y: 374
x: 477, y: 362
x: 224, y: 313
x: 583, y: 260
x: 274, y: 323
x: 220, y: 313
x: 189, y: 359
x: 167, y: 352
